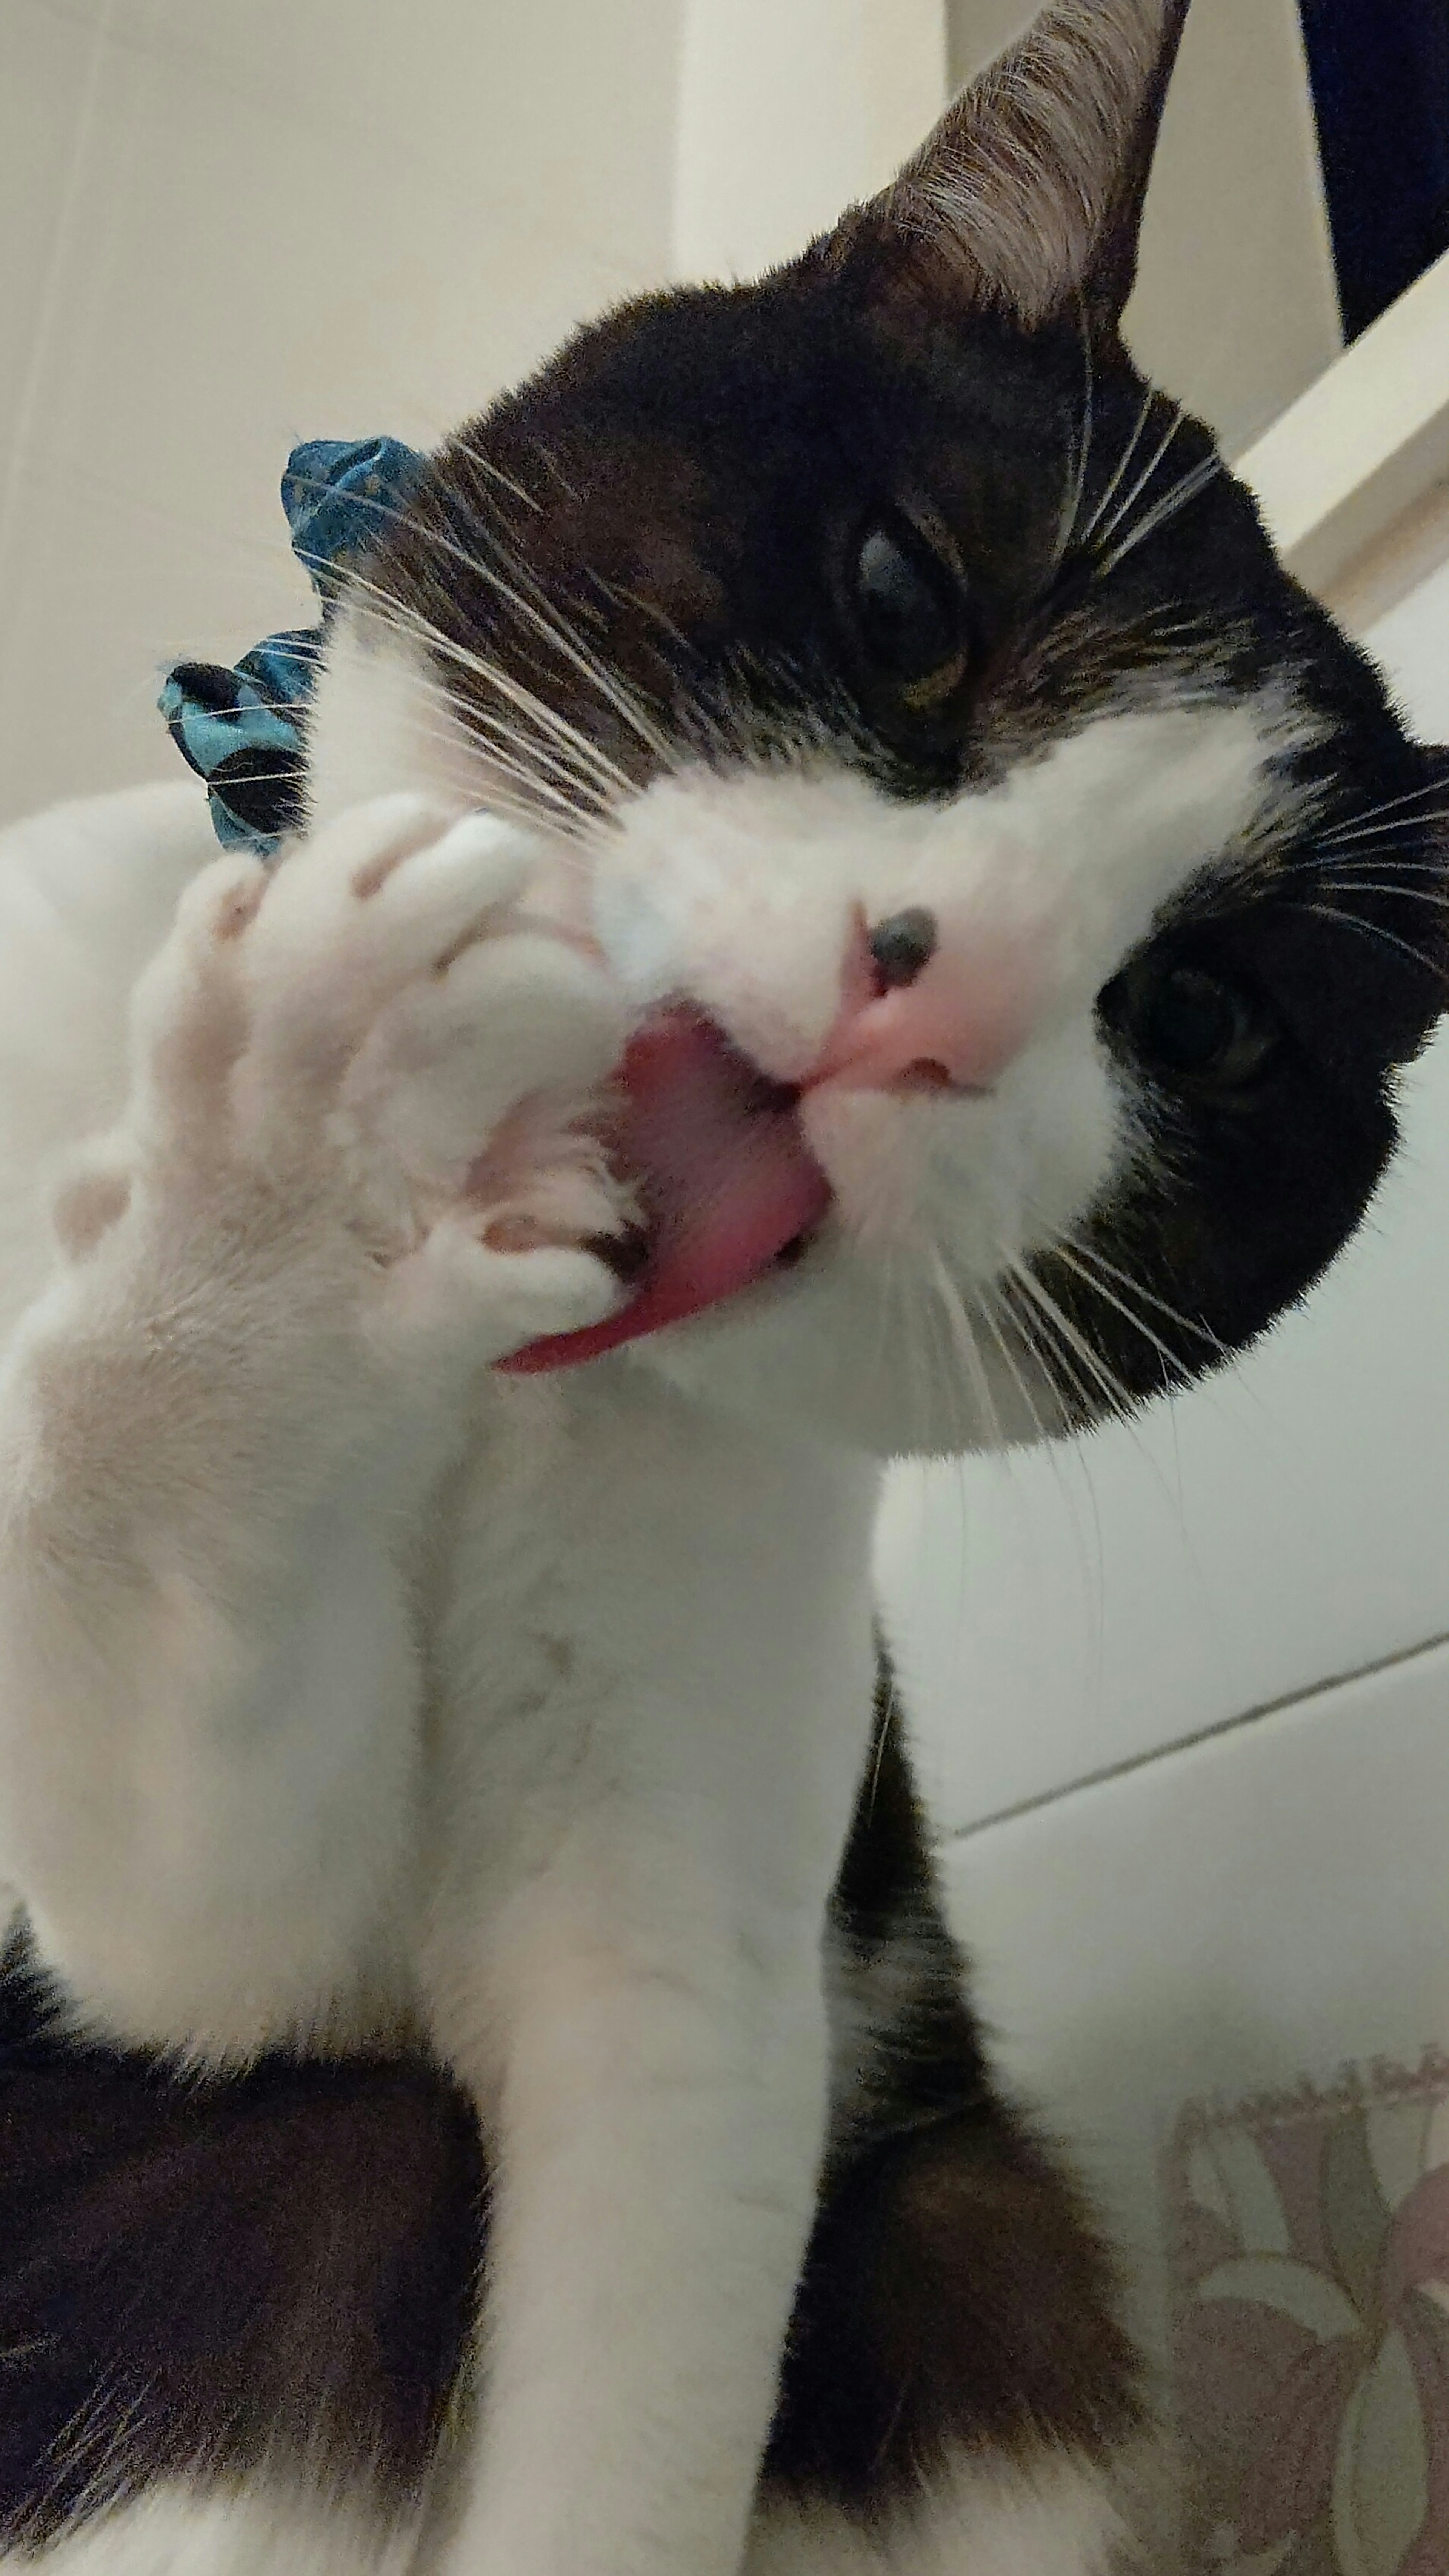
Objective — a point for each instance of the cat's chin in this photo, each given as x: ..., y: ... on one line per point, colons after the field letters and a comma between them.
x: 822, y: 1350
x: 754, y: 1278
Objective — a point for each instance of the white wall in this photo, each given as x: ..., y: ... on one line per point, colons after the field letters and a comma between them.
x: 230, y: 227
x: 788, y: 113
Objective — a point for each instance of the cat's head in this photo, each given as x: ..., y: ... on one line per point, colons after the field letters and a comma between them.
x: 903, y: 687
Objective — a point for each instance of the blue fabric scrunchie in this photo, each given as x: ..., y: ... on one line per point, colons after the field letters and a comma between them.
x: 242, y: 730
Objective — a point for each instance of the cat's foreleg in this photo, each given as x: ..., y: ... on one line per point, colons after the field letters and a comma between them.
x: 658, y: 2141
x: 643, y: 2013
x: 217, y: 1425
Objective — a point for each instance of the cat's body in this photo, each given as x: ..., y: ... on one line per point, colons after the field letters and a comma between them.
x: 882, y: 805
x: 574, y: 1556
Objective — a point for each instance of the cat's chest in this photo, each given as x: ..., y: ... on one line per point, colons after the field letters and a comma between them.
x: 633, y: 1605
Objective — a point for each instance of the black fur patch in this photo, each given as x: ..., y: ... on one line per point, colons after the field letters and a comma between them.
x: 278, y: 2270
x: 195, y: 2281
x: 956, y: 2295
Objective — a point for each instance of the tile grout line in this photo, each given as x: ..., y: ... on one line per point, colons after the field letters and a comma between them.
x: 1234, y: 1725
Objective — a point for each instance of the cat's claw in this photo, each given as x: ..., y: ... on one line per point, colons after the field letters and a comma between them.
x: 453, y: 1278
x: 362, y: 1042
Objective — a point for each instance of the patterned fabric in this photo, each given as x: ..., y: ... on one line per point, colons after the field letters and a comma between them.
x: 1310, y: 2268
x: 242, y: 730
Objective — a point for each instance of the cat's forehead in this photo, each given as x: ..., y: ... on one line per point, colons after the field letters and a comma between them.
x: 684, y: 492
x: 775, y: 398
x: 706, y: 456
x: 672, y: 512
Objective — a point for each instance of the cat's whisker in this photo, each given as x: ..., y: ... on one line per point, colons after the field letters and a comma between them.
x: 531, y: 763
x: 1124, y: 467
x: 933, y: 1364
x: 1182, y: 495
x: 524, y: 595
x: 1383, y: 836
x: 1106, y: 528
x: 527, y: 799
x: 577, y: 653
x: 890, y: 1297
x: 802, y: 714
x: 1391, y: 862
x: 486, y: 464
x: 583, y: 759
x: 992, y: 1316
x: 1176, y: 1366
x: 562, y: 792
x: 545, y: 618
x: 622, y: 596
x: 1056, y: 1368
x: 575, y: 747
x: 953, y: 1308
x: 407, y: 619
x: 892, y: 1714
x: 1096, y: 1259
x: 549, y: 458
x: 1076, y: 478
x: 1390, y: 805
x: 497, y: 749
x: 1436, y: 896
x: 1422, y: 958
x: 1067, y: 1356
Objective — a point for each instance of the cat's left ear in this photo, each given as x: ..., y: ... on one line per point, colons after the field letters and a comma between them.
x: 1033, y: 182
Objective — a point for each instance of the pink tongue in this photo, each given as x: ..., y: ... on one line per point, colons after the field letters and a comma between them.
x: 723, y: 1171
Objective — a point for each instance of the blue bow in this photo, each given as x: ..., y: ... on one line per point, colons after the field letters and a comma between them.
x: 242, y: 730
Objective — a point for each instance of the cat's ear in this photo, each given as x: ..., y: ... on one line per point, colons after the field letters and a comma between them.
x: 1033, y: 182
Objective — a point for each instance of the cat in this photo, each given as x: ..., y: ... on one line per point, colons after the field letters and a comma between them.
x: 847, y: 908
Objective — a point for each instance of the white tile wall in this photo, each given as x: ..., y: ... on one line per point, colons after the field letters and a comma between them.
x: 228, y: 228
x: 787, y: 113
x: 1224, y: 1918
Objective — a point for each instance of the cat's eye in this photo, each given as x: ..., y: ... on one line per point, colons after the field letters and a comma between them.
x: 1190, y: 1026
x: 910, y: 613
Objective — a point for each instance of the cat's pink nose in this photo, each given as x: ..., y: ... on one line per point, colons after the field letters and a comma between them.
x: 926, y: 1008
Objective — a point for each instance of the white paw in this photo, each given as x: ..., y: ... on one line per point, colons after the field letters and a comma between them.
x: 364, y: 1045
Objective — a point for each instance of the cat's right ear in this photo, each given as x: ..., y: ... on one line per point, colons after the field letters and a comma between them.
x: 1031, y: 188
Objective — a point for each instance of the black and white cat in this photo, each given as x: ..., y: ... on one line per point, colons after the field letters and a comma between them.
x: 849, y: 908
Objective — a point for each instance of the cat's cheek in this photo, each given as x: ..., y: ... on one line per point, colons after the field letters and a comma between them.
x: 1074, y: 1129
x: 875, y: 1150
x: 978, y: 1181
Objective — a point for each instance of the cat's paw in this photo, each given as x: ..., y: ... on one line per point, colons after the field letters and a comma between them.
x: 365, y: 1050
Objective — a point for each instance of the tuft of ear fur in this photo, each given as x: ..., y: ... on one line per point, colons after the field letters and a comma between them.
x: 1035, y: 178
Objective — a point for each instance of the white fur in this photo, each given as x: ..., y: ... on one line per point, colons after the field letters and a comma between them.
x: 1056, y: 2521
x: 174, y: 2532
x: 344, y: 1685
